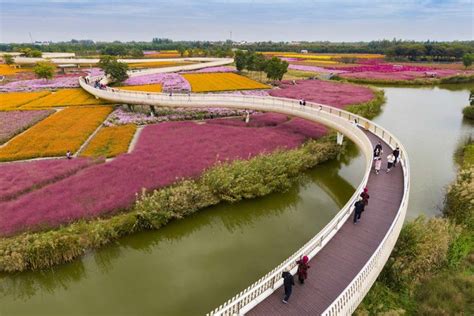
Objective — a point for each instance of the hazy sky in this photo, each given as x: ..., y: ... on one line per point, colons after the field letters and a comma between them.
x: 251, y: 20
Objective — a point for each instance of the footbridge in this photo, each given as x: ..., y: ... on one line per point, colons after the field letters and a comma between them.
x: 345, y: 258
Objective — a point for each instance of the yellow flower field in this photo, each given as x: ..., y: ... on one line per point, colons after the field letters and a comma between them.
x: 65, y: 130
x: 64, y: 97
x: 110, y: 141
x: 6, y: 70
x: 206, y: 82
x: 148, y: 88
x: 159, y: 64
x: 12, y: 100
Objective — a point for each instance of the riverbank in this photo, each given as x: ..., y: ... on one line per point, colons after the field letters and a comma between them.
x: 459, y: 79
x: 431, y: 269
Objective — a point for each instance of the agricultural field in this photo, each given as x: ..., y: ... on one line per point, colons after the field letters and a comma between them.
x: 65, y: 130
x: 62, y: 98
x: 208, y: 82
x: 6, y: 70
x: 13, y: 100
x: 110, y: 141
x: 159, y: 64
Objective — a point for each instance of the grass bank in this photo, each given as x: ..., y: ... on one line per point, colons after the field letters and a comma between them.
x: 431, y: 269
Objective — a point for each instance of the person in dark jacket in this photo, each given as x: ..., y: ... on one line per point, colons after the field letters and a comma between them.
x: 288, y: 283
x: 358, y: 209
x: 396, y: 153
x: 302, y: 269
x: 378, y: 150
x: 365, y: 196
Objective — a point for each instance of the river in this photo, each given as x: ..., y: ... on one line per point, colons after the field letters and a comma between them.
x: 193, y: 265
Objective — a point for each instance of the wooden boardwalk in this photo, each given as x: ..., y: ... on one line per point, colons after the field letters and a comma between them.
x: 336, y: 265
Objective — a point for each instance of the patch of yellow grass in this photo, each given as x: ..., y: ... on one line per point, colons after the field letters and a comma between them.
x: 54, y: 136
x: 13, y: 100
x: 64, y: 97
x: 110, y: 141
x: 206, y: 82
x: 148, y: 88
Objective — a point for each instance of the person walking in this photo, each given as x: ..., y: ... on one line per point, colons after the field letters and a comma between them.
x: 390, y: 161
x: 378, y: 164
x: 69, y: 154
x: 302, y: 269
x: 358, y: 209
x: 378, y: 150
x: 365, y: 196
x: 288, y: 283
x: 396, y: 153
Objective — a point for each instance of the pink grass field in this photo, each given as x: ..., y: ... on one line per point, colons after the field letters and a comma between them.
x: 20, y: 177
x: 332, y: 93
x: 165, y: 153
x: 14, y: 122
x: 402, y: 75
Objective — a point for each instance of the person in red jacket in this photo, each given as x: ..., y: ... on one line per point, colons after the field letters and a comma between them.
x: 365, y: 196
x: 302, y: 269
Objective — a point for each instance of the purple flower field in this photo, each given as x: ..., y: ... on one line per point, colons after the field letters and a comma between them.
x: 165, y: 153
x: 169, y: 81
x: 315, y: 69
x: 19, y: 177
x: 38, y: 84
x: 336, y: 94
x: 15, y: 122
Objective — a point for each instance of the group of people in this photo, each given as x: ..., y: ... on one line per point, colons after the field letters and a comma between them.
x: 97, y: 83
x: 392, y: 158
x: 288, y: 281
x: 303, y: 102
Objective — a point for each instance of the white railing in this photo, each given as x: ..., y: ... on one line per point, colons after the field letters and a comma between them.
x: 343, y: 121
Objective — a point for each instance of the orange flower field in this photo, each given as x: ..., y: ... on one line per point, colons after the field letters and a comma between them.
x: 208, y: 82
x: 65, y: 130
x: 13, y: 100
x: 110, y: 141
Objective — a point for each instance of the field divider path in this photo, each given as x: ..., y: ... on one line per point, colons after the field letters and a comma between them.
x: 346, y: 288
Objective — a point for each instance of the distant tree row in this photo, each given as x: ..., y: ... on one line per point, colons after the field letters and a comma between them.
x: 395, y: 49
x: 274, y: 68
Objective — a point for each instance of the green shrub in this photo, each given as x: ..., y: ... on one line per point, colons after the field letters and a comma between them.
x: 468, y: 112
x: 458, y: 79
x: 371, y: 108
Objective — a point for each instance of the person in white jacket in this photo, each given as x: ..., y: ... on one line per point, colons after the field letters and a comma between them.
x: 390, y: 162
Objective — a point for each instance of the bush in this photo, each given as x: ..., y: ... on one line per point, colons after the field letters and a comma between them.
x: 468, y: 112
x: 371, y: 108
x: 458, y: 79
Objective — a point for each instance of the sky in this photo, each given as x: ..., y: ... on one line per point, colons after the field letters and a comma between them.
x: 248, y: 20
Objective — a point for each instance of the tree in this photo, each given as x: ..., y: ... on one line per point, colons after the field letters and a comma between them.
x: 28, y: 52
x: 114, y: 50
x: 117, y: 71
x: 8, y: 59
x: 276, y: 68
x: 240, y: 60
x: 136, y: 53
x: 467, y: 60
x: 44, y: 70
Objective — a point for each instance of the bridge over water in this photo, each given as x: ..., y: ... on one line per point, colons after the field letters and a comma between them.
x: 345, y: 259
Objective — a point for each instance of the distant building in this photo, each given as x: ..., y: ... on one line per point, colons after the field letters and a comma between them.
x: 304, y: 51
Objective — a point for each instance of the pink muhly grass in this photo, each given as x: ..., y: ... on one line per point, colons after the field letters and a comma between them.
x: 20, y: 177
x: 332, y: 93
x: 164, y: 154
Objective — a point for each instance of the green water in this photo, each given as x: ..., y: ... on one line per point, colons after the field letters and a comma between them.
x: 193, y: 265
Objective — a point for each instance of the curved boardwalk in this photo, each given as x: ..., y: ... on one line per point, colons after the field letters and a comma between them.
x: 336, y: 265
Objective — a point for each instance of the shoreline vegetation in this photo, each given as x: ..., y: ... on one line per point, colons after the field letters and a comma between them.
x: 431, y: 269
x: 263, y: 174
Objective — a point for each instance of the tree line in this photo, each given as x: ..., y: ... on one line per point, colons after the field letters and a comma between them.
x: 394, y: 49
